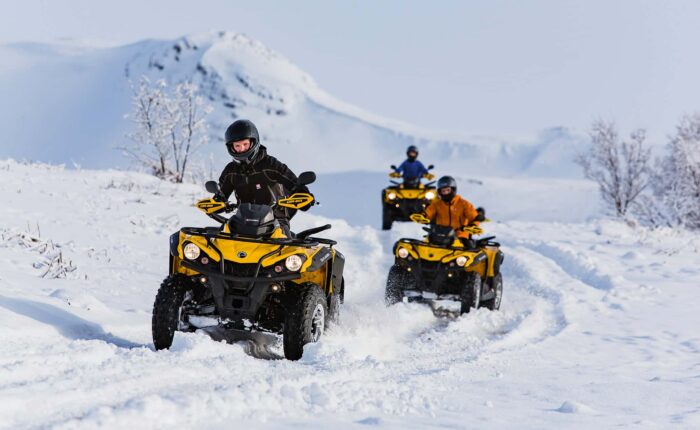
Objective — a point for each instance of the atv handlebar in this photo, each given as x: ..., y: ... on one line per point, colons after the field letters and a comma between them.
x: 428, y: 176
x: 306, y: 233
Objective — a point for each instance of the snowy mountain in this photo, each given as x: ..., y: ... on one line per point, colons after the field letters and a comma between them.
x: 66, y: 104
x: 598, y: 326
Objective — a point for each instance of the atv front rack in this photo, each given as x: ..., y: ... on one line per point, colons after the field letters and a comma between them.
x: 428, y: 244
x: 480, y: 243
x: 215, y: 233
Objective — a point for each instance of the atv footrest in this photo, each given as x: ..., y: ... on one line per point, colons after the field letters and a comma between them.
x: 427, y: 295
x: 230, y: 335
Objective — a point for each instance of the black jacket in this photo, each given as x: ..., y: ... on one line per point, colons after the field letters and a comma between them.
x: 259, y: 181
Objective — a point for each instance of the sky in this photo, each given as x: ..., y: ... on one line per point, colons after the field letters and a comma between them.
x: 465, y: 66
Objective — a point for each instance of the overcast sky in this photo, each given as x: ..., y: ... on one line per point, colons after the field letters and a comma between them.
x: 485, y: 67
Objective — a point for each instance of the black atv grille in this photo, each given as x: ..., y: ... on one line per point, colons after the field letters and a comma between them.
x: 238, y: 269
x: 415, y: 206
x: 429, y: 268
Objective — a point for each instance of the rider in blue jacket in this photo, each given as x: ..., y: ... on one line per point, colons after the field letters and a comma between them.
x: 412, y: 170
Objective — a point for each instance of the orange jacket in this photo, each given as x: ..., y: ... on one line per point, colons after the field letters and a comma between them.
x: 457, y: 214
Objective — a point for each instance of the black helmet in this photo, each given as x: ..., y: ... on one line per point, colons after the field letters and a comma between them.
x: 410, y: 149
x: 240, y: 130
x: 444, y: 182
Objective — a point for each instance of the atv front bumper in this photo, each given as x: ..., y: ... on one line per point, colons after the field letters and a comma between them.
x: 238, y: 298
x: 431, y: 278
x: 402, y: 209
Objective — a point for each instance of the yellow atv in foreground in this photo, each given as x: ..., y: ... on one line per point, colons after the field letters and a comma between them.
x: 247, y: 279
x: 400, y: 200
x: 442, y: 267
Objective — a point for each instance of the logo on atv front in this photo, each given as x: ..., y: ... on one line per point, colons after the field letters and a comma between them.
x: 242, y: 254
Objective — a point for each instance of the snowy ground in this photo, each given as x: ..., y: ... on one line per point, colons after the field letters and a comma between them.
x: 598, y: 327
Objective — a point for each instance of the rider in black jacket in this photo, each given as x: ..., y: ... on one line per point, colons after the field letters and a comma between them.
x: 253, y: 175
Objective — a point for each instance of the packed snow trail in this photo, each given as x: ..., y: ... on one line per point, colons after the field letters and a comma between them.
x: 596, y: 327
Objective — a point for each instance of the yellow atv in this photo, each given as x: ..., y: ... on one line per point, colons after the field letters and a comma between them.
x: 247, y: 279
x: 443, y: 267
x: 400, y: 200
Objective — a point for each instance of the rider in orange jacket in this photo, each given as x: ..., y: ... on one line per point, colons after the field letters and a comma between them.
x: 451, y: 209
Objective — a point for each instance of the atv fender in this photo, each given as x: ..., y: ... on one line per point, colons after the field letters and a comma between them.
x: 174, y: 242
x: 319, y: 259
x: 337, y: 271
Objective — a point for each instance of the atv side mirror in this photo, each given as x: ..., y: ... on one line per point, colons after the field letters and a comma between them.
x: 431, y: 167
x: 306, y: 178
x: 481, y: 214
x: 212, y: 187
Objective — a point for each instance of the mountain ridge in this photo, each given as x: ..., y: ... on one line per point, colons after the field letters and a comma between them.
x: 80, y: 94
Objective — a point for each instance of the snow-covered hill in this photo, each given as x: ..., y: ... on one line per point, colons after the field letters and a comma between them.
x: 598, y: 327
x: 66, y: 104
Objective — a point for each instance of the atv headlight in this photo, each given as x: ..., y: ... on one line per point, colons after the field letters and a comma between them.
x: 391, y: 196
x: 461, y: 260
x: 430, y: 195
x: 191, y: 251
x: 403, y: 252
x: 293, y: 263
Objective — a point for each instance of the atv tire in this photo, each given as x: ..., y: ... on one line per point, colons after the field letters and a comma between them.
x: 394, y: 283
x: 497, y: 286
x: 470, y: 295
x: 166, y: 310
x: 387, y: 220
x: 305, y: 320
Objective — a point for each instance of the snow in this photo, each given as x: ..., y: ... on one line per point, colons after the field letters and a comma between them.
x: 597, y: 327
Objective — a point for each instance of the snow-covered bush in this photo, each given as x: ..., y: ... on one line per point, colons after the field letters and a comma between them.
x: 170, y: 127
x: 51, y: 263
x: 677, y: 180
x: 620, y: 167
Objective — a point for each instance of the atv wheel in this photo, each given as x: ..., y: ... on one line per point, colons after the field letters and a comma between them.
x: 497, y: 285
x: 396, y: 279
x: 305, y: 320
x: 471, y: 292
x: 386, y: 217
x: 166, y: 310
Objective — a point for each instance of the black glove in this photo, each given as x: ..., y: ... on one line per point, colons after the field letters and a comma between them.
x: 313, y: 202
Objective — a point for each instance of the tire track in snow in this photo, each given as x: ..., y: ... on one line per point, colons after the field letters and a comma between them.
x: 578, y: 265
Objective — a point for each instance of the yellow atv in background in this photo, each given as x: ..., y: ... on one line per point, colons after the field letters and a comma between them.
x: 400, y: 200
x: 444, y: 267
x: 248, y: 280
